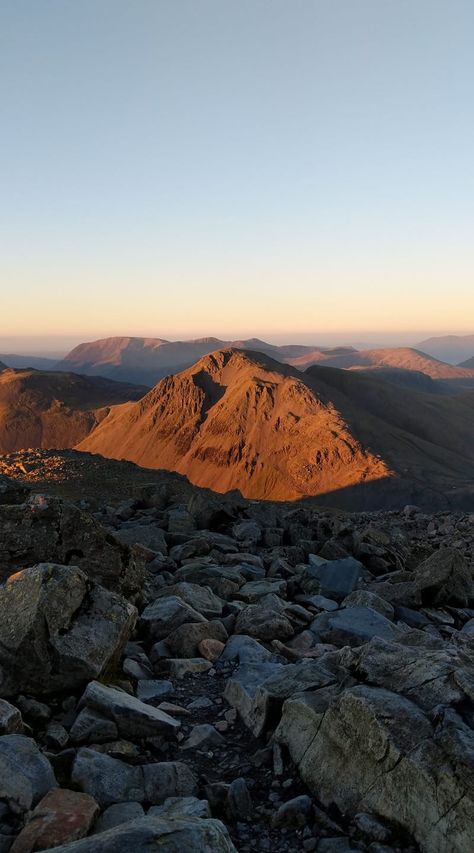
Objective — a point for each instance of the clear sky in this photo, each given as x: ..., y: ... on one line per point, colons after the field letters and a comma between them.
x: 231, y: 167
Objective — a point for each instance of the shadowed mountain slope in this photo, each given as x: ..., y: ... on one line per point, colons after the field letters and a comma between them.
x: 241, y: 420
x: 47, y: 409
x: 469, y: 363
x: 451, y: 348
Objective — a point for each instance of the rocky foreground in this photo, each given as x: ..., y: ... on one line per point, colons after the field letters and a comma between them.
x: 181, y: 671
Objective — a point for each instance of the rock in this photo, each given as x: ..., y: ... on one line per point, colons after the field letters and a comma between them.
x: 183, y: 642
x: 148, y: 535
x: 25, y: 773
x: 154, y: 690
x: 337, y: 578
x: 168, y: 779
x: 240, y: 690
x: 263, y: 624
x: 295, y: 812
x: 444, y: 578
x: 12, y: 491
x: 45, y: 529
x: 107, y: 779
x: 58, y: 630
x: 192, y: 548
x: 245, y: 650
x: 365, y: 598
x: 180, y: 668
x: 11, y: 721
x: 369, y: 826
x: 238, y: 804
x: 166, y: 614
x: 252, y: 591
x: 60, y: 817
x: 375, y: 751
x: 92, y: 727
x: 117, y: 814
x: 200, y: 598
x: 56, y: 736
x: 353, y: 626
x: 210, y: 649
x: 177, y: 807
x: 203, y: 736
x: 169, y: 835
x: 132, y: 717
x: 247, y: 531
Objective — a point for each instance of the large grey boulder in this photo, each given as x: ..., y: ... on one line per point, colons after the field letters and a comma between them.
x: 166, y: 614
x: 444, y: 578
x: 50, y: 529
x: 58, y: 629
x: 200, y: 598
x: 110, y: 780
x: 337, y: 578
x: 168, y: 835
x: 184, y: 641
x: 353, y: 626
x: 148, y: 535
x: 369, y: 749
x: 25, y: 773
x: 263, y: 623
x: 132, y: 717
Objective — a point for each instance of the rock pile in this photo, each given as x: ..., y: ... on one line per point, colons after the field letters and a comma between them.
x: 268, y: 678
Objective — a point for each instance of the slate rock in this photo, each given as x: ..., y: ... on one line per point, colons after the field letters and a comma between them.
x: 132, y: 717
x: 25, y: 773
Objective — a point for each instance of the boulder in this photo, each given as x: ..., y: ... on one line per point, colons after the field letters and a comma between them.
x: 50, y: 529
x: 337, y: 578
x: 169, y: 835
x: 353, y: 626
x: 184, y: 641
x: 60, y: 817
x: 262, y: 623
x: 132, y: 717
x: 10, y: 719
x: 58, y: 629
x: 166, y: 614
x: 147, y: 535
x: 25, y: 773
x: 200, y: 598
x: 12, y: 491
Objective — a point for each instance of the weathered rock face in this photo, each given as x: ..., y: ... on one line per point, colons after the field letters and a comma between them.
x: 58, y: 629
x: 49, y: 529
x: 369, y: 749
x: 25, y: 773
x: 12, y: 491
x: 168, y: 835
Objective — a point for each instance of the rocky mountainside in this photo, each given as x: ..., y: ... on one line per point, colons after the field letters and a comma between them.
x: 51, y: 409
x: 196, y: 672
x: 240, y: 420
x: 146, y: 360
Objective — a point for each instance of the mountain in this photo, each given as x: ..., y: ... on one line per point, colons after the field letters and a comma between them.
x: 451, y: 348
x: 469, y: 363
x: 47, y: 409
x: 146, y: 360
x: 36, y: 362
x: 398, y: 358
x: 2, y: 366
x: 242, y: 420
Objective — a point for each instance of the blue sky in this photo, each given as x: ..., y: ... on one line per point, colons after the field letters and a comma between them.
x: 291, y: 169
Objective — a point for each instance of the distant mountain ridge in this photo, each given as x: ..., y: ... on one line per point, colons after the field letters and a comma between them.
x: 239, y: 419
x: 455, y: 349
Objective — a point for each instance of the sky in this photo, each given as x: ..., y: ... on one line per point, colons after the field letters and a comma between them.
x: 292, y: 169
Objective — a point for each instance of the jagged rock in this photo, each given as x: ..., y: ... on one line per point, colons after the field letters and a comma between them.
x: 49, y: 529
x: 365, y: 598
x: 10, y: 719
x: 58, y: 629
x: 132, y: 717
x: 245, y: 649
x: 263, y: 623
x: 444, y: 578
x: 252, y: 591
x: 202, y: 737
x: 177, y: 807
x: 192, y: 548
x: 183, y: 642
x: 181, y: 667
x: 200, y: 598
x: 368, y: 749
x: 238, y: 803
x: 62, y: 816
x: 12, y: 491
x: 337, y: 578
x: 25, y: 773
x: 153, y: 690
x: 353, y: 626
x: 210, y: 649
x: 224, y: 582
x: 295, y: 812
x: 92, y: 727
x: 147, y: 535
x: 118, y: 814
x: 110, y: 780
x: 169, y: 835
x: 166, y: 614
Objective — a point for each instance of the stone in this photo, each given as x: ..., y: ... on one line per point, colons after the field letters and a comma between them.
x: 192, y: 548
x: 132, y: 717
x: 203, y: 736
x: 60, y: 817
x: 117, y: 814
x: 177, y: 807
x: 365, y: 598
x: 210, y: 649
x: 58, y: 630
x: 183, y: 642
x: 107, y: 779
x: 238, y: 804
x: 241, y: 689
x: 247, y: 531
x: 245, y: 649
x: 337, y: 578
x: 166, y: 614
x: 353, y: 626
x: 92, y: 727
x: 200, y: 598
x: 169, y: 835
x: 180, y: 668
x: 25, y: 773
x: 168, y: 779
x: 295, y: 812
x: 147, y: 535
x: 11, y: 721
x: 252, y: 591
x: 12, y: 491
x: 46, y: 529
x: 56, y: 736
x: 154, y: 690
x: 263, y: 624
